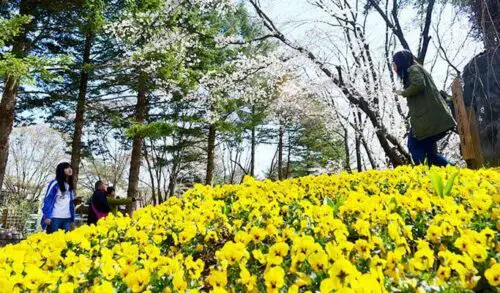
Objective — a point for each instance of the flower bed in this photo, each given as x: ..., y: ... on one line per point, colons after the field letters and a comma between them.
x: 375, y: 231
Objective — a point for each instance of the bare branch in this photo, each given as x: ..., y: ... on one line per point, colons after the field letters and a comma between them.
x: 395, y: 27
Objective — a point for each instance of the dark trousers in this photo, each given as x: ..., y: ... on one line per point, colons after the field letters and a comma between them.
x: 426, y: 150
x: 56, y: 224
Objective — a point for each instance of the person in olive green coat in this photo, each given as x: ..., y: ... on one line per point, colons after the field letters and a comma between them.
x: 430, y: 116
x: 114, y: 202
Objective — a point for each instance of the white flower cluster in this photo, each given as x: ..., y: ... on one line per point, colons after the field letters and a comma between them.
x: 157, y: 39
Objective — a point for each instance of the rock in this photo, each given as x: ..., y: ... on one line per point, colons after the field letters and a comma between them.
x: 481, y: 78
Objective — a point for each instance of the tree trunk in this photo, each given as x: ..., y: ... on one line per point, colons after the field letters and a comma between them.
x: 358, y: 152
x: 280, y: 153
x: 171, y: 186
x: 173, y: 175
x: 212, y: 132
x: 158, y: 185
x: 347, y: 152
x: 135, y: 160
x: 151, y: 177
x: 20, y: 48
x: 80, y: 110
x: 369, y: 153
x: 252, y: 155
x: 271, y: 169
x: 233, y: 166
x: 289, y: 155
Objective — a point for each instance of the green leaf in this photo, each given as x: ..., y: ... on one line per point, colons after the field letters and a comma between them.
x: 330, y: 203
x: 449, y: 183
x: 437, y: 182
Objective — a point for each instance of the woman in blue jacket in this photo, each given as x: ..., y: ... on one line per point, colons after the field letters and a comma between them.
x: 58, y: 208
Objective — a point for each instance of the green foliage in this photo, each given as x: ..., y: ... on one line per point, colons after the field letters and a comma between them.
x: 95, y: 10
x: 153, y: 129
x: 439, y: 187
x: 10, y: 28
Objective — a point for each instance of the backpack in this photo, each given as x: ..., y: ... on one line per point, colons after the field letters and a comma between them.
x: 98, y: 214
x: 449, y: 102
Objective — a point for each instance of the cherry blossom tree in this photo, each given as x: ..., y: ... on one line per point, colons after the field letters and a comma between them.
x: 160, y: 40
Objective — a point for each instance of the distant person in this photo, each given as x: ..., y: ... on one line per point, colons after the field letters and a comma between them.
x: 58, y: 208
x: 115, y: 202
x: 430, y: 116
x: 99, y: 207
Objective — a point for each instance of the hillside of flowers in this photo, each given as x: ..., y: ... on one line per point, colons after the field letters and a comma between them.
x: 402, y: 230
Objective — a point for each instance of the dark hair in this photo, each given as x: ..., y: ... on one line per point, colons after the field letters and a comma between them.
x: 62, y: 178
x: 98, y: 184
x: 110, y: 189
x: 403, y: 60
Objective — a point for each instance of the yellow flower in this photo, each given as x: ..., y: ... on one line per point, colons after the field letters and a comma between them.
x: 248, y: 280
x: 126, y: 270
x: 199, y: 248
x: 276, y: 253
x: 257, y: 234
x: 179, y: 284
x: 232, y: 252
x: 271, y: 230
x: 362, y: 227
x: 6, y: 284
x: 109, y: 270
x: 463, y: 243
x: 187, y: 234
x: 34, y: 277
x: 302, y: 280
x: 211, y: 236
x: 319, y: 261
x: 376, y: 263
x: 363, y: 248
x: 489, y: 235
x: 423, y: 259
x: 104, y: 287
x: 242, y: 237
x: 274, y: 279
x: 444, y: 273
x: 66, y: 288
x: 259, y: 256
x: 342, y: 273
x: 293, y: 289
x: 393, y: 231
x: 218, y: 290
x: 279, y: 249
x: 434, y: 234
x: 70, y: 258
x: 217, y: 278
x: 368, y: 283
x: 293, y: 222
x: 493, y: 275
x: 477, y: 253
x: 194, y: 268
x: 327, y: 285
x: 138, y: 280
x: 447, y: 229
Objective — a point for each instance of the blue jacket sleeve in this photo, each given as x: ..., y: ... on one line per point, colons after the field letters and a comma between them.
x: 48, y: 201
x: 72, y: 205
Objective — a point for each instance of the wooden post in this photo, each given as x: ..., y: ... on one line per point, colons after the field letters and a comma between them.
x: 478, y: 160
x: 4, y: 218
x: 467, y: 128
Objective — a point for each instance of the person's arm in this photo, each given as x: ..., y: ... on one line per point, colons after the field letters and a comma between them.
x: 48, y: 202
x: 119, y: 201
x: 417, y: 82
